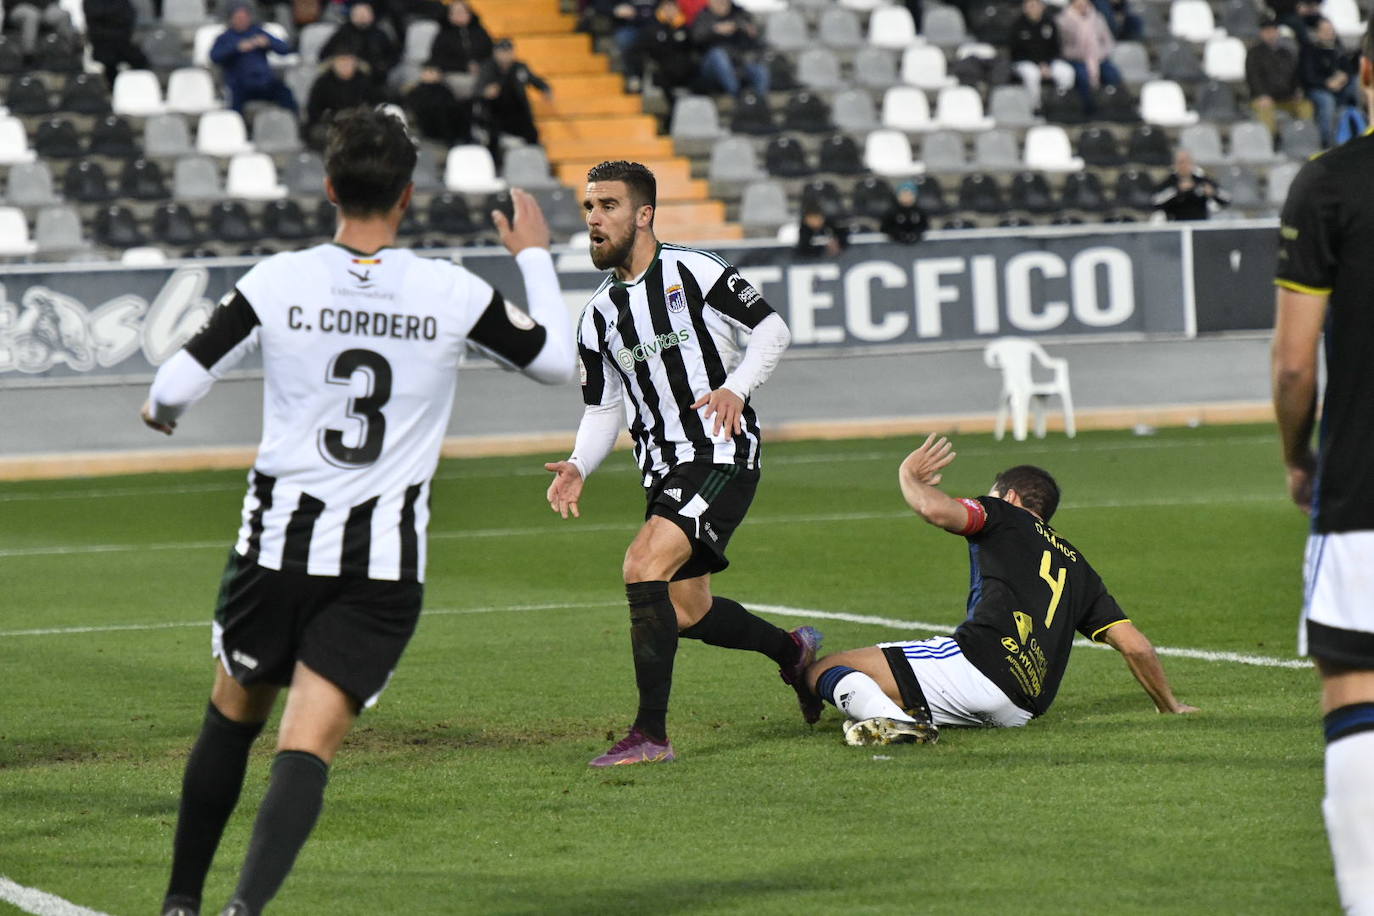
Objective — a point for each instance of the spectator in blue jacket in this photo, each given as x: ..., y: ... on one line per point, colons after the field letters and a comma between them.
x: 241, y: 51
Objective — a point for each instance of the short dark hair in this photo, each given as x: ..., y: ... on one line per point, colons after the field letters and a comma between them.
x: 1037, y: 489
x: 369, y: 158
x: 637, y: 177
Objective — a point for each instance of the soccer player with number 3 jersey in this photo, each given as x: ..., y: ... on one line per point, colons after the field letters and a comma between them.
x: 658, y: 352
x: 1031, y: 592
x: 360, y: 346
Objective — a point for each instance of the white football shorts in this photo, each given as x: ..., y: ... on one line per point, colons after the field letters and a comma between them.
x: 1338, y: 574
x: 957, y: 692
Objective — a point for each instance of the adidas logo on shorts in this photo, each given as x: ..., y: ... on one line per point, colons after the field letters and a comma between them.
x: 674, y: 492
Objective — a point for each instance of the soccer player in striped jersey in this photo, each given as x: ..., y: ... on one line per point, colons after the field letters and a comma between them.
x: 1031, y: 592
x: 657, y: 345
x: 360, y: 344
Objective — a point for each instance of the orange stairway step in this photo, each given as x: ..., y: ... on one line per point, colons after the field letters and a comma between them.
x: 703, y: 211
x: 586, y: 106
x: 579, y: 150
x: 584, y: 86
x: 630, y: 127
x: 513, y: 18
x: 561, y: 55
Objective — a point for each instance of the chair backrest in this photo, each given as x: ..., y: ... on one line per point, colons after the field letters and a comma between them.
x: 1191, y: 20
x: 1009, y: 106
x: 203, y: 41
x: 997, y: 150
x: 1133, y: 61
x: 183, y: 13
x: 1223, y: 58
x: 1014, y: 357
x: 853, y: 110
x: 1216, y: 101
x: 906, y: 108
x: 275, y: 131
x: 1344, y: 15
x: 526, y: 166
x: 14, y: 141
x: 695, y: 118
x: 58, y: 229
x: 14, y: 232
x: 1162, y: 102
x: 1280, y: 177
x: 1204, y: 142
x: 166, y: 135
x: 839, y: 29
x: 1242, y: 185
x: 943, y: 26
x: 1178, y: 60
x: 819, y: 69
x: 1299, y: 139
x: 888, y: 152
x: 221, y: 133
x: 733, y: 159
x: 191, y: 90
x: 875, y: 68
x: 960, y: 108
x: 924, y: 66
x: 137, y: 93
x: 29, y: 185
x: 196, y: 178
x: 469, y: 168
x: 891, y: 27
x: 313, y: 38
x: 1251, y: 142
x: 253, y: 176
x: 304, y: 174
x: 419, y: 39
x: 164, y: 49
x: 764, y: 205
x: 943, y: 151
x: 1048, y: 149
x: 786, y: 30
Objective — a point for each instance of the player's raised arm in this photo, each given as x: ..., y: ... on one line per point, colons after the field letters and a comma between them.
x: 1144, y: 663
x: 229, y: 334
x: 543, y: 348
x: 920, y: 475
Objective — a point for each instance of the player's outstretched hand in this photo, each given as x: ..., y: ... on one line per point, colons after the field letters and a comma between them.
x: 726, y: 406
x: 566, y: 489
x: 1300, y: 483
x: 529, y: 229
x: 925, y: 464
x: 147, y: 415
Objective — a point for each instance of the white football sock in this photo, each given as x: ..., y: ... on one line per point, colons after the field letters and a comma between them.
x: 1349, y: 810
x: 861, y: 698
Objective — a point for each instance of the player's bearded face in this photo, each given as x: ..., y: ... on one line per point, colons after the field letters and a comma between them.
x: 612, y: 241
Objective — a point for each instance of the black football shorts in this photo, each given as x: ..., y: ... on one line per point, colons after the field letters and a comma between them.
x: 708, y: 502
x: 348, y: 629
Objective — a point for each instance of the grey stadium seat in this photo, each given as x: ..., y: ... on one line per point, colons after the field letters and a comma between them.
x: 58, y: 229
x: 1252, y: 143
x: 853, y: 110
x: 304, y: 174
x: 166, y: 135
x: 733, y: 160
x: 997, y: 151
x: 1204, y: 142
x: 419, y: 39
x: 840, y: 29
x: 1299, y: 139
x: 875, y: 68
x: 786, y: 30
x: 696, y: 124
x: 1133, y: 61
x: 426, y: 175
x: 275, y: 131
x: 196, y: 178
x: 943, y: 151
x: 165, y: 50
x: 1009, y: 106
x: 1242, y: 185
x: 30, y: 185
x: 944, y: 26
x: 764, y: 206
x: 184, y: 14
x: 818, y: 68
x: 1280, y: 177
x: 313, y: 39
x: 527, y: 167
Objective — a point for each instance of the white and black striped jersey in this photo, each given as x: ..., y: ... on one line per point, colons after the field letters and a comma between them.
x: 662, y: 342
x: 360, y: 356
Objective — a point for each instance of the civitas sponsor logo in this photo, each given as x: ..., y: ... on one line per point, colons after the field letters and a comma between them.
x: 627, y: 356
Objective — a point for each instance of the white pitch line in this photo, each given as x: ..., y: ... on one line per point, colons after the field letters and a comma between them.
x: 40, y: 903
x: 623, y: 468
x: 893, y: 623
x: 583, y: 527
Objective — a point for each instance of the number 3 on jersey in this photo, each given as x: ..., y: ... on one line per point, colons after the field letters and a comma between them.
x: 367, y: 410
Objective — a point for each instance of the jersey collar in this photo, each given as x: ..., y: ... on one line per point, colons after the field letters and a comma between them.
x: 360, y: 254
x: 658, y: 250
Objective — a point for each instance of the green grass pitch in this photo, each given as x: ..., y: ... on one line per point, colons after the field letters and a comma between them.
x: 466, y: 790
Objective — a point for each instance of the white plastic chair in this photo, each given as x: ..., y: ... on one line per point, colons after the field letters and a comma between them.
x: 1048, y: 150
x: 222, y: 133
x: 137, y: 93
x: 253, y: 176
x: 203, y: 41
x: 14, y: 142
x: 1016, y: 358
x: 1162, y: 102
x: 925, y: 66
x: 961, y: 108
x: 906, y: 108
x: 888, y: 153
x: 469, y: 169
x: 14, y: 233
x: 191, y: 90
x: 1191, y: 20
x: 1223, y: 59
x: 891, y: 27
x: 143, y: 256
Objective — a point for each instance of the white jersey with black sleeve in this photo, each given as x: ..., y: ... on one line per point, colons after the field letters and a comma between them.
x: 659, y: 344
x: 360, y: 357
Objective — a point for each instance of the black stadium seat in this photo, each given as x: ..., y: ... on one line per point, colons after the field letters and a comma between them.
x: 807, y: 112
x: 785, y: 158
x: 1116, y: 104
x: 86, y: 182
x: 1149, y: 146
x: 992, y: 23
x: 1135, y: 190
x: 753, y: 115
x: 873, y: 197
x: 29, y: 95
x: 11, y: 57
x: 1099, y: 147
x: 930, y: 195
x: 781, y: 76
x: 980, y: 194
x: 112, y: 136
x: 56, y: 138
x: 1083, y: 191
x: 283, y: 219
x: 85, y: 94
x: 117, y: 228
x: 1216, y: 101
x: 56, y: 54
x: 1030, y: 192
x: 173, y: 224
x: 826, y: 197
x: 142, y: 179
x: 229, y: 222
x: 1062, y: 106
x: 450, y: 215
x: 840, y: 156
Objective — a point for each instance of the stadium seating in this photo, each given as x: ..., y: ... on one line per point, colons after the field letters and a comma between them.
x: 112, y: 136
x: 1191, y: 20
x: 527, y: 167
x: 143, y: 179
x: 1252, y: 144
x: 943, y: 151
x: 1162, y: 102
x: 907, y: 108
x: 253, y: 176
x: 167, y: 135
x: 57, y: 230
x: 275, y: 131
x: 839, y: 30
x: 925, y: 67
x: 764, y: 206
x: 30, y: 185
x: 196, y: 178
x: 888, y: 153
x: 852, y: 110
x: 1223, y: 59
x: 222, y: 133
x: 891, y: 27
x: 191, y: 90
x: 695, y: 123
x: 14, y: 141
x: 14, y: 233
x: 137, y: 94
x: 997, y: 150
x: 961, y: 108
x: 57, y: 138
x: 471, y: 169
x: 87, y: 183
x: 1048, y: 150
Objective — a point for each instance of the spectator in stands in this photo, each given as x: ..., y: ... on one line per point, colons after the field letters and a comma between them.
x: 1271, y: 73
x: 628, y: 18
x: 1188, y: 193
x: 1327, y: 73
x: 820, y: 236
x: 436, y: 111
x: 906, y: 222
x: 110, y: 31
x: 1088, y: 43
x: 1299, y: 15
x: 729, y: 38
x: 32, y: 16
x: 692, y: 9
x: 666, y: 43
x: 1036, y: 52
x: 342, y: 86
x: 241, y: 51
x: 461, y: 47
x: 365, y: 40
x: 503, y: 85
x: 1125, y: 23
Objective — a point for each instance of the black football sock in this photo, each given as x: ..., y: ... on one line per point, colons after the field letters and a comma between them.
x: 209, y: 791
x: 729, y: 625
x: 653, y: 637
x: 288, y: 814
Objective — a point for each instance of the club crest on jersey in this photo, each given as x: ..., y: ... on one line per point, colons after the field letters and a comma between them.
x: 677, y: 299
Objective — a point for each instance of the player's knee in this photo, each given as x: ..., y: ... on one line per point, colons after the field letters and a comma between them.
x: 644, y: 565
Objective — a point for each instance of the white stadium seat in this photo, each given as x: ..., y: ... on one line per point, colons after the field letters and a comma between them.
x: 891, y: 27
x: 888, y: 153
x: 1015, y: 358
x: 469, y: 168
x: 222, y: 133
x: 191, y: 90
x: 907, y: 108
x: 1162, y: 103
x: 1048, y: 150
x: 1191, y: 20
x: 253, y: 176
x: 924, y: 66
x: 1224, y: 59
x: 961, y: 108
x: 14, y: 142
x: 14, y: 234
x: 137, y: 94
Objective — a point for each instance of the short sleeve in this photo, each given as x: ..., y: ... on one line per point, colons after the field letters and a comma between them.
x: 600, y: 382
x: 1103, y: 614
x: 1307, y: 258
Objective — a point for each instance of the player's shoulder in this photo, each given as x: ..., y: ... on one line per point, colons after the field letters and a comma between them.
x: 281, y: 272
x: 1352, y: 161
x: 695, y: 259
